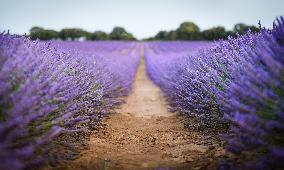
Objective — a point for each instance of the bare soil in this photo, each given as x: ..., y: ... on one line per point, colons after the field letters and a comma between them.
x: 143, y: 134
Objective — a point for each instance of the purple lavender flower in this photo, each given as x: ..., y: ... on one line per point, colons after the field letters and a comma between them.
x: 240, y: 80
x: 47, y: 89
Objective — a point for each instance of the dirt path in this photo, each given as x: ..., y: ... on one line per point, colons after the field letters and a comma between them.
x: 145, y: 135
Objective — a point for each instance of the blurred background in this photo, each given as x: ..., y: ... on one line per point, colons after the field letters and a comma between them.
x: 135, y: 19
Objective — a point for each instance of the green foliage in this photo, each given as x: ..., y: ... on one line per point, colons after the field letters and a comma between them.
x: 42, y: 125
x: 241, y: 28
x: 72, y: 33
x: 230, y: 33
x: 2, y: 117
x: 119, y: 33
x: 214, y: 33
x: 42, y: 34
x: 266, y: 111
x: 172, y: 35
x: 164, y: 35
x: 3, y: 108
x: 98, y: 35
x: 188, y: 31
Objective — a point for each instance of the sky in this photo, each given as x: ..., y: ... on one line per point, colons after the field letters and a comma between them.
x: 142, y: 18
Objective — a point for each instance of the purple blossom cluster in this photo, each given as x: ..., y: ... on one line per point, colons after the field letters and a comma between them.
x: 111, y: 55
x: 174, y: 67
x: 52, y: 88
x: 239, y: 82
x: 254, y: 101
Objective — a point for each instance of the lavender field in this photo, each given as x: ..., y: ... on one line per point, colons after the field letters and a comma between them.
x: 52, y: 89
x: 234, y: 85
x: 161, y: 105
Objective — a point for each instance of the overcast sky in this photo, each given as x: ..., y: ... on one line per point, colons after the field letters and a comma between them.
x: 143, y: 18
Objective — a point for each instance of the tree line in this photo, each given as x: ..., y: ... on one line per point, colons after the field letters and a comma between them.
x: 190, y: 31
x: 186, y: 31
x: 118, y: 33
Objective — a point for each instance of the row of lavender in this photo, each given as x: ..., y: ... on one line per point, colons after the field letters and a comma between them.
x: 51, y: 90
x: 239, y: 82
x: 173, y: 72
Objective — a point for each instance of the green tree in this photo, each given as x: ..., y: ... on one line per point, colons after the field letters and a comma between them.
x: 188, y: 31
x: 230, y: 33
x: 98, y: 35
x: 119, y: 33
x: 214, y: 33
x: 35, y: 32
x: 172, y: 35
x: 72, y: 33
x: 242, y: 28
x: 165, y: 35
x: 162, y: 35
x: 42, y: 34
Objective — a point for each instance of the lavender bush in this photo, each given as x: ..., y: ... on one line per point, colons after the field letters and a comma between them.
x: 241, y: 80
x: 255, y: 104
x: 178, y: 69
x: 47, y: 90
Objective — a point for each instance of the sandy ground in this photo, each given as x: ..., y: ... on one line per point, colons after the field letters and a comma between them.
x: 143, y: 134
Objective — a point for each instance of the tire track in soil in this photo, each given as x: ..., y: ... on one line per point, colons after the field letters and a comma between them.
x: 143, y: 134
